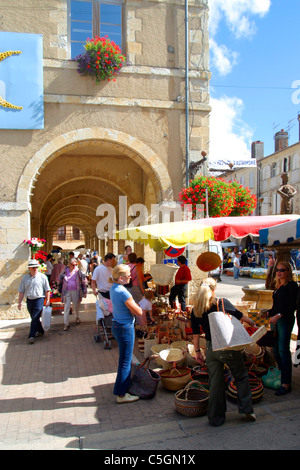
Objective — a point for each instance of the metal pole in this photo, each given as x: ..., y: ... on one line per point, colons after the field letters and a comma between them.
x: 187, y: 163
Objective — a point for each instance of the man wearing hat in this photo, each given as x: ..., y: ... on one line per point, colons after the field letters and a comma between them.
x: 34, y: 287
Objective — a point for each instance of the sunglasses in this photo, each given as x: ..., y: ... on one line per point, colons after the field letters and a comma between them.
x: 281, y: 270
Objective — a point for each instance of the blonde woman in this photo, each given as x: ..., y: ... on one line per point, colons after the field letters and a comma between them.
x: 124, y: 311
x: 282, y: 318
x: 204, y: 303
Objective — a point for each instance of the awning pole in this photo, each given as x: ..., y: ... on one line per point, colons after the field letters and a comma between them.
x: 187, y: 164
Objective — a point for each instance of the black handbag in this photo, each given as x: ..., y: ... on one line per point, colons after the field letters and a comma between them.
x: 144, y: 381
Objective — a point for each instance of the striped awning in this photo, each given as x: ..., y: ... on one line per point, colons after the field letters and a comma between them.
x: 287, y: 232
x: 179, y: 234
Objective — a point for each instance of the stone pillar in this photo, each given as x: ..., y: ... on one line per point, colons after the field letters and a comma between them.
x: 14, y: 256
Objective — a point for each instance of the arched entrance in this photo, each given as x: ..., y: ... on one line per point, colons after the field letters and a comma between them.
x: 68, y: 178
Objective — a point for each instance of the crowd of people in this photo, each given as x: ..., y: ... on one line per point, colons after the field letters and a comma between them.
x: 123, y: 281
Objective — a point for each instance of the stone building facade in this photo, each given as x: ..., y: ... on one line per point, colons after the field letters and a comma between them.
x: 264, y: 180
x: 100, y: 142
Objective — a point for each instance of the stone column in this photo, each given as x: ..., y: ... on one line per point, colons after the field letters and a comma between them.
x: 14, y: 256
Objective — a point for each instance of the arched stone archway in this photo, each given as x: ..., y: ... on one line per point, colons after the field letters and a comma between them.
x: 124, y: 143
x: 33, y: 211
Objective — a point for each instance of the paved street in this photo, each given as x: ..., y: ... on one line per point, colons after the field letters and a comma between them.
x: 57, y: 394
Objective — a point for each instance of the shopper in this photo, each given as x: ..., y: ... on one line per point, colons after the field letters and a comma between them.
x: 182, y: 278
x: 102, y: 274
x: 35, y: 288
x: 49, y: 266
x: 124, y: 308
x: 136, y: 288
x: 146, y: 306
x: 282, y: 319
x: 73, y: 290
x: 205, y: 302
x: 58, y: 268
x: 236, y: 267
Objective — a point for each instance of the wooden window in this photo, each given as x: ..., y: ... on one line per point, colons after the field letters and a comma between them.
x: 90, y: 18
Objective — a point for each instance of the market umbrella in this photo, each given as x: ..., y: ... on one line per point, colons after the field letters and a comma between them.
x: 178, y: 234
x: 289, y: 232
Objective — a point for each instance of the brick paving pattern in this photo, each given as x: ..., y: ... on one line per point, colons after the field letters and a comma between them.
x: 62, y: 386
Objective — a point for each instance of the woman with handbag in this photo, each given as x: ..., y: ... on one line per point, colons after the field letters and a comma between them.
x: 205, y: 302
x: 282, y: 319
x: 124, y: 311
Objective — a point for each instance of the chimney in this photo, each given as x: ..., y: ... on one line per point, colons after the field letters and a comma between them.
x: 257, y: 150
x: 281, y: 140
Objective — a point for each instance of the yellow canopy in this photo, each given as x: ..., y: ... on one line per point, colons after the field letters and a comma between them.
x: 160, y: 236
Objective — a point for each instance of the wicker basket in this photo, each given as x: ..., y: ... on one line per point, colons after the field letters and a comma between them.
x: 176, y: 378
x: 200, y: 374
x: 192, y: 401
x: 156, y: 349
x: 257, y: 389
x: 163, y: 274
x: 171, y: 357
x: 180, y: 345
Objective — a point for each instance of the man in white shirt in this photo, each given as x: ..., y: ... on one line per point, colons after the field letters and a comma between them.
x: 236, y: 267
x: 35, y: 288
x: 102, y: 274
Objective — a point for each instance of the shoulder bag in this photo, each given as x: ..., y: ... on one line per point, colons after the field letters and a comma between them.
x: 227, y: 332
x: 144, y: 381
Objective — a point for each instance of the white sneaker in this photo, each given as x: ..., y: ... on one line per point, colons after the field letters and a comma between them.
x: 250, y: 417
x: 127, y: 398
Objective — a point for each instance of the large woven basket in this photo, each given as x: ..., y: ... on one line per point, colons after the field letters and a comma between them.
x: 192, y: 400
x: 176, y: 378
x: 200, y: 374
x: 163, y: 274
x: 257, y: 389
x: 171, y: 357
x: 156, y: 349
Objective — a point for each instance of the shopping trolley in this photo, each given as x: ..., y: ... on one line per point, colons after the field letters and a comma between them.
x: 104, y: 321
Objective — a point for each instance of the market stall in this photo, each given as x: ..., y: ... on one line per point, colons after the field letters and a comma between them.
x: 169, y: 342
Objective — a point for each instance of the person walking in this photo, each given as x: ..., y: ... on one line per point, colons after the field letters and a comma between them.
x: 35, y: 288
x: 282, y: 319
x: 124, y: 311
x: 236, y: 267
x: 182, y: 278
x: 102, y: 274
x: 73, y: 290
x: 205, y: 302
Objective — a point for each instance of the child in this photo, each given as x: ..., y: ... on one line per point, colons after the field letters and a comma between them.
x: 146, y: 306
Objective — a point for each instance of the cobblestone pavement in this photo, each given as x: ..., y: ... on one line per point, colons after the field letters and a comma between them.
x: 58, y: 393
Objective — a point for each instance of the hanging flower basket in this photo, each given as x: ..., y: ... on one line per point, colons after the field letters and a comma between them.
x: 102, y: 59
x: 224, y: 199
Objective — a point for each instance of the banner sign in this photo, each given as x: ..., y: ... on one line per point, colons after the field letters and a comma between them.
x: 231, y: 164
x: 21, y: 81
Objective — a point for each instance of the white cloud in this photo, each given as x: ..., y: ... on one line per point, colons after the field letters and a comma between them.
x: 223, y: 58
x: 238, y: 16
x: 230, y: 136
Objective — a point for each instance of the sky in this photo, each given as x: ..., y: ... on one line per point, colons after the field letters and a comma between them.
x: 255, y: 84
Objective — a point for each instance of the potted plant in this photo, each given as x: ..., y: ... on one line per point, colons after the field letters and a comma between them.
x: 34, y: 244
